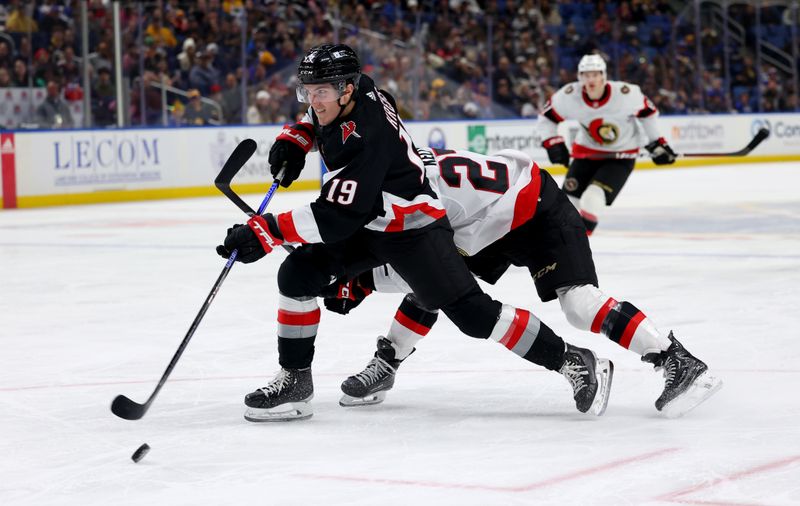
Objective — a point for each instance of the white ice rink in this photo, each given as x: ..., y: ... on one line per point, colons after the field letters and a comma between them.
x: 94, y: 301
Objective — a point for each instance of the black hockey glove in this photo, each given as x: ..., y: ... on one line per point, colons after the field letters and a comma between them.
x: 343, y: 297
x: 289, y: 152
x: 254, y: 240
x: 557, y: 151
x: 660, y: 152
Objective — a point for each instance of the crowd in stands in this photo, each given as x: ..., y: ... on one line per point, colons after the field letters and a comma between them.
x: 441, y: 59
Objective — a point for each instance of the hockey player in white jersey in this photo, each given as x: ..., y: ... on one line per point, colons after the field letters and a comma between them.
x: 505, y: 210
x: 614, y: 117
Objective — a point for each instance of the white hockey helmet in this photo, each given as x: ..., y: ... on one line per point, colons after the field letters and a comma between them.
x: 592, y: 63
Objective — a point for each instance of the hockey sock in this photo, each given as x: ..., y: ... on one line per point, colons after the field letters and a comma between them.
x: 589, y: 221
x: 411, y: 323
x: 298, y: 321
x: 524, y: 334
x: 624, y: 324
x: 592, y: 203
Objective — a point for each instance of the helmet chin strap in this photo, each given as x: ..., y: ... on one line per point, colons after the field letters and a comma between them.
x: 342, y: 107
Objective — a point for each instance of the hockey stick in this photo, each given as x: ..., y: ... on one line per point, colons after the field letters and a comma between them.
x: 757, y: 139
x: 223, y: 184
x: 124, y: 407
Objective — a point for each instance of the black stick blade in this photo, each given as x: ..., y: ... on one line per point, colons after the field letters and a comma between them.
x: 235, y: 162
x: 127, y: 409
x: 758, y: 139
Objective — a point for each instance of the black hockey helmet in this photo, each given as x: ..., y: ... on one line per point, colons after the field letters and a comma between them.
x: 329, y: 63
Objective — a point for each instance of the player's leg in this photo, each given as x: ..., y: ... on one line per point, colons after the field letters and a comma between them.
x: 435, y: 271
x: 577, y: 182
x: 411, y: 323
x: 560, y: 243
x: 609, y: 178
x: 301, y: 277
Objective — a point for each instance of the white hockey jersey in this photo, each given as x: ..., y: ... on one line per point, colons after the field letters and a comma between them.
x: 609, y: 124
x: 485, y: 196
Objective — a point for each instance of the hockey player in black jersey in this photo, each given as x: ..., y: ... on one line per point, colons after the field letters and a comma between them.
x: 376, y: 207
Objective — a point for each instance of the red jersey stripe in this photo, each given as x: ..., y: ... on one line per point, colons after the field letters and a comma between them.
x: 527, y: 199
x: 287, y: 228
x: 396, y: 225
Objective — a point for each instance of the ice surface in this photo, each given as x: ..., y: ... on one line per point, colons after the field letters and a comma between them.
x: 94, y: 300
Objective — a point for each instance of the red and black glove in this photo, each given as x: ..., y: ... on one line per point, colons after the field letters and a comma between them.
x: 260, y: 236
x: 557, y: 150
x: 343, y: 297
x: 660, y: 152
x: 289, y: 151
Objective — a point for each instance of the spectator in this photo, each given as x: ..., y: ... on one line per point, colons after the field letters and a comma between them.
x: 197, y: 112
x: 5, y: 55
x: 19, y: 22
x: 231, y: 100
x: 161, y: 35
x: 103, y: 99
x: 203, y: 75
x: 46, y: 70
x: 54, y: 112
x: 21, y: 76
x: 260, y: 112
x: 5, y: 78
x: 102, y: 58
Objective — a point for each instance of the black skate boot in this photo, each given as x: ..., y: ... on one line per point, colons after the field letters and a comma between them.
x: 687, y: 382
x: 370, y: 385
x: 285, y: 398
x: 590, y: 378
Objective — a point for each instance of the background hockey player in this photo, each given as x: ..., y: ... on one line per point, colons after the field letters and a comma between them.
x: 612, y: 116
x: 376, y: 206
x: 505, y: 210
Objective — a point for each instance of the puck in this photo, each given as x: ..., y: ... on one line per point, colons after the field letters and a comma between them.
x: 140, y: 452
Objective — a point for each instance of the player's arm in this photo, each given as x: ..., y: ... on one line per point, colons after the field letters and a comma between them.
x: 288, y: 152
x: 660, y: 151
x: 547, y: 127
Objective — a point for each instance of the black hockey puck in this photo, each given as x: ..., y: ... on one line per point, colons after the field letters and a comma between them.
x: 140, y: 452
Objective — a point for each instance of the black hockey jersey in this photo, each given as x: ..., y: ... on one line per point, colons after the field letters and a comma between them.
x: 375, y: 177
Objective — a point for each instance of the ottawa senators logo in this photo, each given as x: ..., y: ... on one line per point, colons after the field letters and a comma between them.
x: 569, y: 89
x: 625, y: 90
x: 602, y: 133
x: 348, y: 129
x: 570, y: 184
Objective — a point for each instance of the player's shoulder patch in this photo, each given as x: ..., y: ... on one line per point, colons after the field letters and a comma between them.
x: 569, y: 89
x: 625, y: 89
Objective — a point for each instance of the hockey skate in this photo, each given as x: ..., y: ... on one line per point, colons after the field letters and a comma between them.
x: 285, y: 398
x: 687, y: 381
x: 370, y: 385
x: 589, y: 377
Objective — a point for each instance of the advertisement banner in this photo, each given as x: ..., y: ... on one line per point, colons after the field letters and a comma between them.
x: 81, y: 161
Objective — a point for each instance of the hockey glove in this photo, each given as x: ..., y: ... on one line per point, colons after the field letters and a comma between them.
x: 557, y: 151
x: 344, y: 297
x: 254, y: 240
x: 660, y: 152
x: 289, y: 152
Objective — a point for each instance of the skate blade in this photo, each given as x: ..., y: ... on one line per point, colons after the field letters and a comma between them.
x: 604, y: 372
x: 283, y: 413
x: 349, y: 401
x: 703, y: 387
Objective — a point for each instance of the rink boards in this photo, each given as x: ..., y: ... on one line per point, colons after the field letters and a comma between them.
x: 49, y: 168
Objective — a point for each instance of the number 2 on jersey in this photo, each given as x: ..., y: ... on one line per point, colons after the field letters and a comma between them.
x: 497, y: 184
